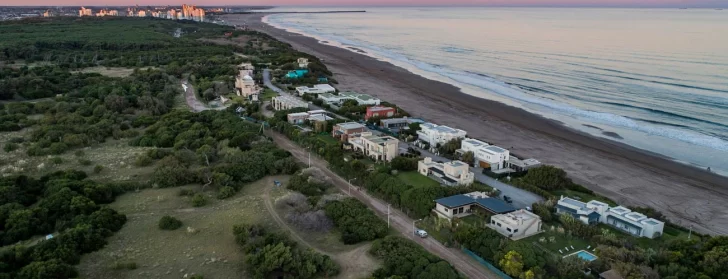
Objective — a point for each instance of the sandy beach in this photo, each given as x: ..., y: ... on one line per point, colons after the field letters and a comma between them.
x: 686, y: 195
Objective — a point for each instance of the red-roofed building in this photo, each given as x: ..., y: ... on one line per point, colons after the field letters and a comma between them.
x: 379, y: 112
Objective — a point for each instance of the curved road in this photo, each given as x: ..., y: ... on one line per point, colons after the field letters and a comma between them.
x: 399, y: 221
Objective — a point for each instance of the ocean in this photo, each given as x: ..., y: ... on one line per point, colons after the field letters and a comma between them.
x: 655, y: 79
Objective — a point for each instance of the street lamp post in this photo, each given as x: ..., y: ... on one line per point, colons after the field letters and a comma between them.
x: 309, y: 156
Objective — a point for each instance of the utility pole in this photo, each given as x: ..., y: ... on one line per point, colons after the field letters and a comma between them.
x: 350, y: 185
x: 387, y: 215
x: 690, y: 233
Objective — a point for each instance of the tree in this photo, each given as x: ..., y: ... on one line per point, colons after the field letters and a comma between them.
x: 169, y: 223
x: 170, y: 172
x: 469, y: 157
x: 512, y: 263
x: 404, y: 163
x: 547, y: 178
x: 199, y: 200
x: 47, y: 269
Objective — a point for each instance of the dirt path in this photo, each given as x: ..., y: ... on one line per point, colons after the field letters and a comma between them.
x: 399, y: 220
x: 354, y: 264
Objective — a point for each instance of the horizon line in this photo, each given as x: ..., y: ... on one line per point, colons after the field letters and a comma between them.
x: 402, y: 6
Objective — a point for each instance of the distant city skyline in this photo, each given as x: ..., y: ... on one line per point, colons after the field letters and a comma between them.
x: 518, y: 3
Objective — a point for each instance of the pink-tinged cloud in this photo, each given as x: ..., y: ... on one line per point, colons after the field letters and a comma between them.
x: 537, y: 3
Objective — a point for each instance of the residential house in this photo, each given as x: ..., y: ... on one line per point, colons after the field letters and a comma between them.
x: 287, y: 102
x: 245, y: 85
x: 314, y: 115
x: 434, y: 134
x: 592, y: 212
x: 302, y: 62
x: 486, y: 156
x: 316, y: 89
x: 361, y: 99
x: 379, y: 112
x: 379, y: 148
x: 462, y: 205
x: 517, y: 224
x: 452, y: 173
x: 343, y: 131
x: 398, y: 123
x: 518, y: 165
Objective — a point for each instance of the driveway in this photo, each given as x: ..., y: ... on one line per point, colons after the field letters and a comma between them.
x: 521, y: 198
x: 399, y: 221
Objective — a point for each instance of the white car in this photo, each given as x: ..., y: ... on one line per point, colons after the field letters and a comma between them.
x: 421, y: 233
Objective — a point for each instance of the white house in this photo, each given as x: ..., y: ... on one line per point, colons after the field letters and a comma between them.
x: 516, y: 225
x: 302, y: 62
x: 316, y: 89
x: 451, y: 173
x: 434, y: 134
x: 622, y: 218
x: 314, y: 115
x: 361, y: 99
x: 287, y: 102
x: 379, y: 148
x: 486, y: 156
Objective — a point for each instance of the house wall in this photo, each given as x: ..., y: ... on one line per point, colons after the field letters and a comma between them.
x: 450, y: 213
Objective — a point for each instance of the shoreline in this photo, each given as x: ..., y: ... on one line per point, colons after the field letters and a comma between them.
x: 685, y: 194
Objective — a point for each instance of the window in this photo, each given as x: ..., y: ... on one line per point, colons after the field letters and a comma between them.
x: 445, y: 209
x: 498, y: 224
x: 492, y: 222
x: 508, y: 229
x: 515, y: 231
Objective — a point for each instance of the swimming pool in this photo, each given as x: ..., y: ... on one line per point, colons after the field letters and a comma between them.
x: 584, y: 255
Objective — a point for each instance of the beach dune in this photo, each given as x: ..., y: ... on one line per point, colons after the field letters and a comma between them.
x: 687, y: 196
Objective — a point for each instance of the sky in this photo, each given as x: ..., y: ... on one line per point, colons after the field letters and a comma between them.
x: 537, y: 3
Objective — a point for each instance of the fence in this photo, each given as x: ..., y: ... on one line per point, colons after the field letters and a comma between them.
x: 486, y: 264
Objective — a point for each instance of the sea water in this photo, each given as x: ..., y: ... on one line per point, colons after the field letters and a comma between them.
x: 656, y: 79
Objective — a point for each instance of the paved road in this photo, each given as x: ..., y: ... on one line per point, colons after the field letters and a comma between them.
x: 399, y: 221
x: 521, y: 198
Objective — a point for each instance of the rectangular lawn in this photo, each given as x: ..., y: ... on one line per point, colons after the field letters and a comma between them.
x: 416, y: 179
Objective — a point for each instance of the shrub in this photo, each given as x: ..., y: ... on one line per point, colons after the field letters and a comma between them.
x: 124, y: 265
x: 186, y: 192
x: 143, y: 160
x: 169, y: 223
x: 85, y: 162
x: 79, y: 153
x: 56, y: 160
x: 226, y: 192
x: 98, y: 168
x: 9, y: 147
x: 199, y: 200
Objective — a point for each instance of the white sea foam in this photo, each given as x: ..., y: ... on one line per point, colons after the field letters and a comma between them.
x: 459, y: 78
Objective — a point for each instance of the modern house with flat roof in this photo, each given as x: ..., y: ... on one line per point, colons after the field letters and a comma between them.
x: 314, y: 115
x: 316, y: 89
x: 487, y: 156
x: 302, y: 62
x: 379, y: 148
x: 398, y: 123
x: 622, y: 218
x: 343, y: 131
x: 517, y: 224
x: 287, y: 102
x: 435, y: 134
x: 517, y: 164
x: 459, y: 206
x: 452, y: 173
x: 379, y: 112
x: 361, y: 99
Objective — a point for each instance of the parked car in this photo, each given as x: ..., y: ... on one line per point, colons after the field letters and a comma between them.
x: 421, y: 233
x: 507, y: 199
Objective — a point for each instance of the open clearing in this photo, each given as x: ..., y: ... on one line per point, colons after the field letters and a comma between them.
x: 115, y: 156
x: 211, y: 251
x: 110, y: 71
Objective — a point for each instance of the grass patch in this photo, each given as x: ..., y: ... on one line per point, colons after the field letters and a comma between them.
x: 268, y: 94
x: 416, y: 179
x: 560, y: 241
x: 327, y: 138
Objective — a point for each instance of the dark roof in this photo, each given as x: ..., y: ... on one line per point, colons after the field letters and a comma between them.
x: 594, y: 214
x: 495, y: 205
x: 455, y: 201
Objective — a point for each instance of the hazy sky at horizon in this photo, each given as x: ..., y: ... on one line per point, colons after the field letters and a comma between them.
x: 557, y: 3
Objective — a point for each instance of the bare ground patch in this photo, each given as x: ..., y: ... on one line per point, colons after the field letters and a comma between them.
x: 110, y: 71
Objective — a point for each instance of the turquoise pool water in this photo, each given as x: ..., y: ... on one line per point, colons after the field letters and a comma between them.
x: 584, y: 255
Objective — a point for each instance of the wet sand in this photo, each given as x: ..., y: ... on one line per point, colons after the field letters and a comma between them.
x: 686, y: 195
